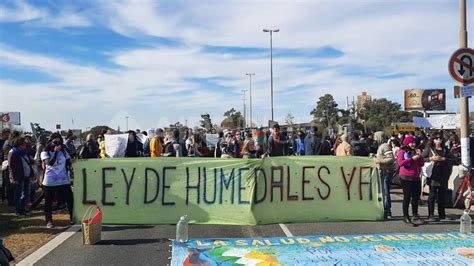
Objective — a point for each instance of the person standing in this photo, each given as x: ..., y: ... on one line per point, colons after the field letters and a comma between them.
x: 156, y: 146
x: 56, y: 179
x: 134, y: 146
x: 300, y: 143
x: 21, y: 171
x: 275, y: 145
x: 436, y: 152
x: 248, y: 148
x: 410, y: 162
x: 344, y: 148
x: 385, y: 160
x: 90, y: 150
x: 69, y: 144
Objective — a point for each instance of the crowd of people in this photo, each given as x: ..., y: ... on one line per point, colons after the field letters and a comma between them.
x: 29, y: 164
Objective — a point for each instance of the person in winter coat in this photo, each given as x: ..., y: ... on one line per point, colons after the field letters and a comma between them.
x: 21, y: 171
x: 385, y: 160
x: 410, y: 162
x: 134, y: 146
x: 435, y: 151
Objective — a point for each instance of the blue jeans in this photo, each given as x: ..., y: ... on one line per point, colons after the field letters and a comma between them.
x: 386, y: 178
x: 21, y: 194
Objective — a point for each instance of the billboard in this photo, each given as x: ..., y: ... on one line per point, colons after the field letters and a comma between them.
x: 425, y: 100
x: 10, y: 118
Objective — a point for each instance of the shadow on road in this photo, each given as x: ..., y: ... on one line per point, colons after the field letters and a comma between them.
x: 125, y: 227
x: 131, y: 242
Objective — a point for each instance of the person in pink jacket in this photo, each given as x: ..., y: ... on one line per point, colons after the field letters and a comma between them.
x: 410, y: 162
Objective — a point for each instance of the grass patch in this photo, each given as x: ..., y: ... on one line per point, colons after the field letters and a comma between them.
x: 25, y: 233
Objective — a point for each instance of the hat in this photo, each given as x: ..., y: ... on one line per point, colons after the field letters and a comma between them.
x: 408, y: 139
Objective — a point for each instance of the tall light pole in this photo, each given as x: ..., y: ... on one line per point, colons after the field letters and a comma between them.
x: 245, y: 109
x: 465, y: 156
x: 250, y: 87
x: 271, y: 62
x: 126, y: 120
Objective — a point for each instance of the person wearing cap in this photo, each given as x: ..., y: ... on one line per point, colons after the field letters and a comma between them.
x: 410, y: 161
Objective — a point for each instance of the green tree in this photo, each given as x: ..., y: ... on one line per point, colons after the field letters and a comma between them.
x: 233, y: 119
x: 380, y: 113
x: 206, y: 121
x: 326, y: 111
x: 96, y: 131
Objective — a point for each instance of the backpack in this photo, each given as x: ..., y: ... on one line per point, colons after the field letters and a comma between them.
x: 360, y: 149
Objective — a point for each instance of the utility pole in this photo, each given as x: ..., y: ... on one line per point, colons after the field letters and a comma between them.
x: 271, y: 63
x: 465, y: 155
x: 250, y: 87
x: 245, y: 109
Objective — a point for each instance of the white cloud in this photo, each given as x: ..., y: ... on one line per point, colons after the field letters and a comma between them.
x: 21, y: 11
x: 154, y: 84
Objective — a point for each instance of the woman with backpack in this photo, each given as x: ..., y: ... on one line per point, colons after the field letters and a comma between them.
x: 436, y: 152
x: 410, y: 161
x: 57, y: 163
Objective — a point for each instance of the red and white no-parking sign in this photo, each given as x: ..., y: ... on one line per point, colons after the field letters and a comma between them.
x: 461, y: 65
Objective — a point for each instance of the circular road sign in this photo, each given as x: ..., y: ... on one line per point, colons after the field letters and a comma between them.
x: 461, y: 65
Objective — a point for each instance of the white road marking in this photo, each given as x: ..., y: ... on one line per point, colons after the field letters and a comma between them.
x: 48, y: 247
x: 285, y: 230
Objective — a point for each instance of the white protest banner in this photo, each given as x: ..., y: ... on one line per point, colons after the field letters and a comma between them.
x: 444, y: 121
x: 10, y: 118
x: 116, y: 145
x: 212, y: 139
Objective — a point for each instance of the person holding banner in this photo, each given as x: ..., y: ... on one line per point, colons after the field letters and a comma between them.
x: 385, y: 160
x: 248, y: 149
x: 276, y: 143
x: 56, y: 179
x: 410, y: 162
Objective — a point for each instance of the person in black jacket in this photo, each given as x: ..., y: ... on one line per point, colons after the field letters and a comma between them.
x: 90, y: 150
x: 435, y: 151
x: 134, y: 146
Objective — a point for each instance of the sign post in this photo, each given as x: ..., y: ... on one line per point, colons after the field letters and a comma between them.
x: 461, y: 69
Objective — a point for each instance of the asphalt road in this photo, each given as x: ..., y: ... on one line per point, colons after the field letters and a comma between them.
x: 150, y: 245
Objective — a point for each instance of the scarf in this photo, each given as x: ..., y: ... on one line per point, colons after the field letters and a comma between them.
x: 276, y: 137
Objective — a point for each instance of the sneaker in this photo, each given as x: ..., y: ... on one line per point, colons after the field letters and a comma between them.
x: 49, y: 225
x: 407, y: 220
x: 388, y: 215
x: 431, y: 219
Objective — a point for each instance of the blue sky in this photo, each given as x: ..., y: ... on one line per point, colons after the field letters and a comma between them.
x: 160, y: 62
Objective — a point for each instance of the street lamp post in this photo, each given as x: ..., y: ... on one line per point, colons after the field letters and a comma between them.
x: 271, y: 62
x: 126, y: 120
x: 245, y: 109
x: 250, y: 87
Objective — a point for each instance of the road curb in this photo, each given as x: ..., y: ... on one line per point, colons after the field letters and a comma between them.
x: 49, y: 246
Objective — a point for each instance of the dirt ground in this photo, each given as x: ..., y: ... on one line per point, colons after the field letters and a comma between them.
x: 22, y: 235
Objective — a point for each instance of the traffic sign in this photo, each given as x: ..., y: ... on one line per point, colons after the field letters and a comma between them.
x: 467, y: 91
x: 461, y: 66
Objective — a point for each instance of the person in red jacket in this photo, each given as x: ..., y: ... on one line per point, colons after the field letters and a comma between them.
x: 410, y: 162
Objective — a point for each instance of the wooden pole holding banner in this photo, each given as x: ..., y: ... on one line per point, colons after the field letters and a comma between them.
x: 465, y: 155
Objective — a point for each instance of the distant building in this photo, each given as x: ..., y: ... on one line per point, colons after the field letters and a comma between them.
x: 361, y: 100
